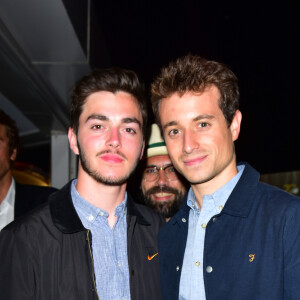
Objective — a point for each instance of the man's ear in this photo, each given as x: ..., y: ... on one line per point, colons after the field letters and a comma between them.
x: 142, y: 150
x: 73, y: 141
x: 235, y: 126
x: 13, y: 155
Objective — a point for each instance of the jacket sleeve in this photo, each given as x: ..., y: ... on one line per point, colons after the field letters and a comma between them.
x: 291, y: 246
x: 16, y: 274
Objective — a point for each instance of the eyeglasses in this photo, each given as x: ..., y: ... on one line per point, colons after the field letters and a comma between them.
x: 152, y: 173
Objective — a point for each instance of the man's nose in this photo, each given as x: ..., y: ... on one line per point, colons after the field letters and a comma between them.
x: 162, y: 179
x: 114, y: 138
x: 190, y: 141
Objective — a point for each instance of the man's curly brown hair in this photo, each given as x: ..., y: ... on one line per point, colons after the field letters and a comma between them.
x: 193, y: 73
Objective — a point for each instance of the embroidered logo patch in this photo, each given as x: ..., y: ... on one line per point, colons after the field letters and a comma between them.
x: 252, y: 256
x: 150, y: 257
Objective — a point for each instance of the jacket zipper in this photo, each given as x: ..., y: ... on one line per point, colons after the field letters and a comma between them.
x: 92, y: 258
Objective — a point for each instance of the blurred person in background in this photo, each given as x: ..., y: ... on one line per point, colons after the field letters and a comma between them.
x: 15, y: 199
x: 163, y: 188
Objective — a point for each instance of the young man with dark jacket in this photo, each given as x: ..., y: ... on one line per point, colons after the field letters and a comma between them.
x: 234, y: 237
x: 91, y: 241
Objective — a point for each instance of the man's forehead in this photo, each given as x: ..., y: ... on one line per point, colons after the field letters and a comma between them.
x: 98, y: 105
x: 158, y: 159
x: 190, y: 105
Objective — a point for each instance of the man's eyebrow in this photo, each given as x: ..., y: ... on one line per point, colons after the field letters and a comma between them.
x: 171, y: 123
x: 201, y: 117
x: 97, y: 117
x: 132, y: 120
x: 105, y: 118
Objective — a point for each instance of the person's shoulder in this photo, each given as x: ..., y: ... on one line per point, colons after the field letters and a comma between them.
x: 45, y: 190
x: 31, y: 232
x: 277, y: 196
x: 33, y: 219
x: 28, y: 197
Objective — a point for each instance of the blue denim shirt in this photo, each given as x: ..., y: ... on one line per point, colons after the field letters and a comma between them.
x: 191, y: 280
x: 109, y: 247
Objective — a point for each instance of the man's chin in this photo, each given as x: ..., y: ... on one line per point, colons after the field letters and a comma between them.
x: 111, y: 180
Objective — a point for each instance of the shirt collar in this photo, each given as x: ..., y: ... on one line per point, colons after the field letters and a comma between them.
x: 220, y: 196
x: 86, y: 209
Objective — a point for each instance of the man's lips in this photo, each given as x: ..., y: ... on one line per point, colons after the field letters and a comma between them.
x: 162, y: 196
x: 112, y: 158
x: 161, y: 193
x: 194, y: 161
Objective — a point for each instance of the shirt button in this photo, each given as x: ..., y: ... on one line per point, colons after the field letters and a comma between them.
x: 183, y: 220
x: 91, y: 217
x: 220, y: 207
x: 119, y: 265
x: 197, y: 263
x: 203, y: 225
x: 177, y: 268
x: 101, y: 213
x: 209, y: 269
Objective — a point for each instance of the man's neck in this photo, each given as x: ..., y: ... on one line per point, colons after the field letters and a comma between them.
x: 211, y: 186
x: 5, y: 182
x: 106, y: 197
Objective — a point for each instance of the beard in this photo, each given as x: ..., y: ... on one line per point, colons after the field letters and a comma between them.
x: 166, y: 208
x: 97, y: 175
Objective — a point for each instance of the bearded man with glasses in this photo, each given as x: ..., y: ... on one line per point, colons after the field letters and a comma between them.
x: 163, y: 188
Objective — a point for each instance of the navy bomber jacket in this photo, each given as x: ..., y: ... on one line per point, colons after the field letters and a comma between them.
x: 251, y: 249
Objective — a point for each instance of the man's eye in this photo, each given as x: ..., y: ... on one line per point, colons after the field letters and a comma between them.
x: 130, y: 130
x: 203, y: 124
x: 97, y: 126
x: 171, y: 169
x: 174, y: 131
x: 150, y: 170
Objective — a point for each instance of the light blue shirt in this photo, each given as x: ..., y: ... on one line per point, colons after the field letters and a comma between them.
x: 109, y: 246
x: 191, y: 281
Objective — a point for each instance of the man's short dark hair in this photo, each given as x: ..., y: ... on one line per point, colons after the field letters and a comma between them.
x: 111, y: 80
x: 12, y: 131
x: 193, y: 73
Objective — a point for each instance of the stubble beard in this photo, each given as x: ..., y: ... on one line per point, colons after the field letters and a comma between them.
x: 102, y: 178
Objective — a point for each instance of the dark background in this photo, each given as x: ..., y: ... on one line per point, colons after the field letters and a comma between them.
x: 259, y: 42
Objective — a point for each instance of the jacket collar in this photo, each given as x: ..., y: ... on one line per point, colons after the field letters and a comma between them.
x: 181, y: 215
x: 63, y: 212
x: 65, y: 217
x: 239, y: 202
